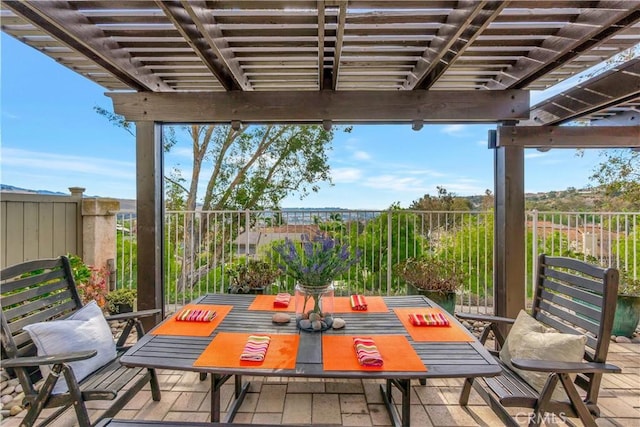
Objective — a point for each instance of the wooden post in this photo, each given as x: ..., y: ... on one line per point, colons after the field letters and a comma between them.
x: 150, y: 212
x: 509, y: 235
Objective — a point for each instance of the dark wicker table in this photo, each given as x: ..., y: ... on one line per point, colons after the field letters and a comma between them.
x: 442, y: 359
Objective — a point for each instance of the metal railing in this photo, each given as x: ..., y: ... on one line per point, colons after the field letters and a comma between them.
x: 200, y: 246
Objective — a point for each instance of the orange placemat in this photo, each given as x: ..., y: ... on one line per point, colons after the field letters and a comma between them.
x: 451, y: 333
x: 171, y: 326
x: 338, y: 354
x: 225, y: 349
x: 375, y: 304
x: 265, y: 303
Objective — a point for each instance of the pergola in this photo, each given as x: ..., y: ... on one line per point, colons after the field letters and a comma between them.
x: 335, y: 61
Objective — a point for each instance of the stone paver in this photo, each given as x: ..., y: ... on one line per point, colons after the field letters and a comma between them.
x: 264, y: 418
x: 353, y: 404
x: 326, y: 409
x: 272, y: 398
x: 297, y: 408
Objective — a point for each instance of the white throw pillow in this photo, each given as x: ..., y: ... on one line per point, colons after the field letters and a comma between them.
x: 86, y: 329
x: 523, y: 325
x: 530, y: 339
x: 552, y: 346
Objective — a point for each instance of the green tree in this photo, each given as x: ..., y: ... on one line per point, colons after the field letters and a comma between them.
x: 444, y: 201
x: 378, y: 253
x: 252, y: 167
x: 619, y: 174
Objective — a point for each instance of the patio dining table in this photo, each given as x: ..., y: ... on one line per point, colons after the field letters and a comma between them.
x: 408, y: 352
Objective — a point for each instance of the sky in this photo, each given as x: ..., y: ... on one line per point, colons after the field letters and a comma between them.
x: 52, y: 139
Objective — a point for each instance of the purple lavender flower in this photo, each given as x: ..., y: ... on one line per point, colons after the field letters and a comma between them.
x: 316, y: 260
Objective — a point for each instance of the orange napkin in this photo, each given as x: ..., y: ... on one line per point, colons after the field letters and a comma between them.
x: 367, y: 352
x: 428, y: 319
x: 358, y: 302
x: 452, y: 333
x: 282, y: 300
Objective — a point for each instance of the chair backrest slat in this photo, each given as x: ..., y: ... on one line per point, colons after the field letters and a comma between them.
x: 576, y: 297
x: 34, y: 291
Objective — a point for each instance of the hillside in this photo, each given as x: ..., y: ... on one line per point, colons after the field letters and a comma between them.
x: 571, y: 199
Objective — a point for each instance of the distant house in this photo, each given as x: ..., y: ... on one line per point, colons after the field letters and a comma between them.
x: 250, y: 244
x: 247, y: 243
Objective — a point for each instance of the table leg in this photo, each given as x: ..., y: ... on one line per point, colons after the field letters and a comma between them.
x: 240, y: 393
x: 216, y: 383
x: 405, y: 390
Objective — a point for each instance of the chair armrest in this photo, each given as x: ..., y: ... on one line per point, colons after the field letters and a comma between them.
x: 485, y: 318
x: 24, y: 362
x: 564, y: 367
x: 133, y: 315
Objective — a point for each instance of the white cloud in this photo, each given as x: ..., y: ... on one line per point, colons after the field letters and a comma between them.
x: 464, y: 187
x: 395, y: 183
x: 427, y: 172
x: 9, y: 115
x: 453, y: 129
x: 347, y: 175
x: 182, y: 152
x: 534, y: 155
x: 67, y: 163
x: 361, y: 155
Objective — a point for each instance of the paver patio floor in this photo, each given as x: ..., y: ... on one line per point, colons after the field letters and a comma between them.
x: 300, y: 401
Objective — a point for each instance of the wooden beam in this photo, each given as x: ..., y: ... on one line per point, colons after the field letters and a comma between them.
x: 199, y: 27
x: 321, y: 44
x: 462, y: 28
x: 546, y: 137
x: 63, y: 22
x: 337, y: 53
x: 591, y: 29
x: 626, y: 118
x: 611, y: 88
x: 315, y: 106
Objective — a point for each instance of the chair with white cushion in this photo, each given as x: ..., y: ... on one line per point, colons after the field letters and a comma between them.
x: 553, y: 359
x: 48, y: 334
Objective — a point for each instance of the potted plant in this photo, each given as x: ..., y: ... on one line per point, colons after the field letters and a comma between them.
x: 251, y: 277
x: 122, y: 300
x: 436, y: 278
x: 627, y: 314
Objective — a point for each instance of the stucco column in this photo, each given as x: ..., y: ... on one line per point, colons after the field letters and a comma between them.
x: 99, y: 230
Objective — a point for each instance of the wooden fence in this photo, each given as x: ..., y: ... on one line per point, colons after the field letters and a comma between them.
x: 39, y: 226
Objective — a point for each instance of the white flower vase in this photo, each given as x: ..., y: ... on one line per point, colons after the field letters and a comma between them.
x: 314, y: 307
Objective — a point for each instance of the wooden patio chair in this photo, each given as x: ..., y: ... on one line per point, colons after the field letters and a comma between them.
x: 572, y: 297
x: 38, y: 293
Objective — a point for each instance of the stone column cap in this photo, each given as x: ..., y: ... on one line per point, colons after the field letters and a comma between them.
x: 100, y: 206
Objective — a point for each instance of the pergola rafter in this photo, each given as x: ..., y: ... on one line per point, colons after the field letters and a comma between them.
x: 461, y: 29
x: 200, y: 31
